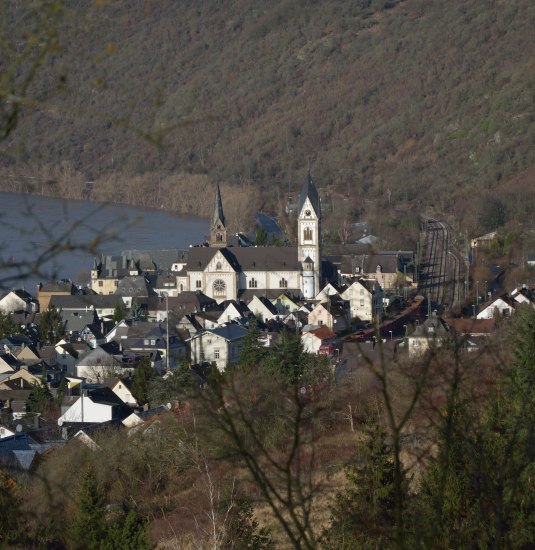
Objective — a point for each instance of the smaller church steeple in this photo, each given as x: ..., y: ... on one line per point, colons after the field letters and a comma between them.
x: 218, y: 231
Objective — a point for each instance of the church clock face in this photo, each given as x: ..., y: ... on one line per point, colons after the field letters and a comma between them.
x: 307, y: 212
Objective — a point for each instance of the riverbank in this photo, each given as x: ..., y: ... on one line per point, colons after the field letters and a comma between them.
x: 188, y: 194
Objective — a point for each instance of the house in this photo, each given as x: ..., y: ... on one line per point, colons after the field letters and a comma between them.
x: 122, y: 389
x: 427, y: 336
x: 523, y: 295
x: 18, y: 301
x: 502, y: 307
x: 45, y: 291
x: 232, y: 311
x: 262, y: 308
x: 315, y: 338
x: 103, y: 305
x: 103, y: 362
x: 334, y: 313
x: 95, y: 405
x: 484, y: 240
x: 221, y: 345
x: 472, y: 333
x: 150, y: 339
x: 67, y: 356
x: 365, y: 297
x: 134, y: 288
x: 330, y: 289
x: 285, y: 304
x: 21, y: 379
x: 107, y: 273
x: 29, y: 355
x: 9, y: 363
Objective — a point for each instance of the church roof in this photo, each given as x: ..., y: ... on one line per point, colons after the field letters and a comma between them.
x: 261, y: 258
x: 309, y: 191
x: 218, y: 210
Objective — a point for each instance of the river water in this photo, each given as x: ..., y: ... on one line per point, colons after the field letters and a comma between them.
x: 29, y: 224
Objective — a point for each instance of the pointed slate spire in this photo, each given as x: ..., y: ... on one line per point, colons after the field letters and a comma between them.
x: 218, y: 210
x: 309, y: 191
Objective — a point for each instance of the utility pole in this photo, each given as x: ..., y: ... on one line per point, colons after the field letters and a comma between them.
x: 167, y: 332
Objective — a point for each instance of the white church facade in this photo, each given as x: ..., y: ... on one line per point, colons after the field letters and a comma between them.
x: 228, y: 273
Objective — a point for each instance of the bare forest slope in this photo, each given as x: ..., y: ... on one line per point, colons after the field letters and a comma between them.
x: 420, y: 102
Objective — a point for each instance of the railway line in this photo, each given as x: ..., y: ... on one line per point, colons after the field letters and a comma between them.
x: 441, y: 266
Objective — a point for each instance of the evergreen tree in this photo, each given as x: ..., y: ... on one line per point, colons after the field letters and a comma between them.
x: 363, y: 515
x: 141, y: 381
x: 288, y: 357
x: 118, y: 314
x: 261, y: 237
x: 252, y: 351
x: 39, y: 398
x: 7, y: 328
x: 51, y: 327
x: 131, y: 534
x: 88, y: 528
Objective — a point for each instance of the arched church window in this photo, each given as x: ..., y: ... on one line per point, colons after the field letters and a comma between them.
x: 307, y: 234
x: 219, y: 237
x: 283, y: 283
x: 253, y: 283
x: 218, y: 266
x: 220, y: 288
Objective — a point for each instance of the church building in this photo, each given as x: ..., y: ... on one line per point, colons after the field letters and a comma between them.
x: 226, y: 272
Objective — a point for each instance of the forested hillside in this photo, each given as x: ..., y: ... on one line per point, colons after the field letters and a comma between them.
x: 408, y: 101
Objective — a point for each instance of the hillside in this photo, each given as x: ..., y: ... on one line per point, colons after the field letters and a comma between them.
x: 389, y: 102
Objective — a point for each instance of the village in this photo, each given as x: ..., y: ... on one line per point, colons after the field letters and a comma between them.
x: 149, y: 313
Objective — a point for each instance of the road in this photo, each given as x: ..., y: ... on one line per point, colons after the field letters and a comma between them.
x: 441, y: 266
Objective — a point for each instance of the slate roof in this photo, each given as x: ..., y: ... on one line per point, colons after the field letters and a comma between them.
x: 134, y: 286
x: 150, y: 260
x: 248, y: 294
x: 57, y: 286
x: 218, y: 208
x: 309, y: 190
x: 86, y: 301
x: 229, y: 332
x: 75, y: 321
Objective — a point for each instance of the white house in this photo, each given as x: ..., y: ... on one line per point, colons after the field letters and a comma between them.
x: 121, y: 388
x: 313, y: 339
x: 261, y: 307
x: 221, y: 345
x: 502, y: 306
x: 17, y: 300
x: 232, y: 311
x: 365, y: 298
x: 96, y: 405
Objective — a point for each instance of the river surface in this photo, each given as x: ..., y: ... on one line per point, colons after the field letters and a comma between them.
x: 29, y: 224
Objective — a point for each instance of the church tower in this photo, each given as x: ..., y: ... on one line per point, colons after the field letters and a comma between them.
x: 218, y: 230
x: 309, y: 238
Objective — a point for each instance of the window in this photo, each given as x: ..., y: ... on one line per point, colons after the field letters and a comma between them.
x: 219, y: 287
x: 198, y: 284
x: 101, y: 283
x: 218, y: 266
x: 219, y: 237
x: 362, y: 303
x: 362, y: 292
x: 116, y: 283
x: 320, y: 322
x: 216, y: 354
x: 253, y: 283
x: 283, y: 283
x: 307, y: 234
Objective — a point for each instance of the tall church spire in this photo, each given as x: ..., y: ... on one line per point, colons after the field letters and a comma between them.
x: 309, y: 237
x: 218, y: 231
